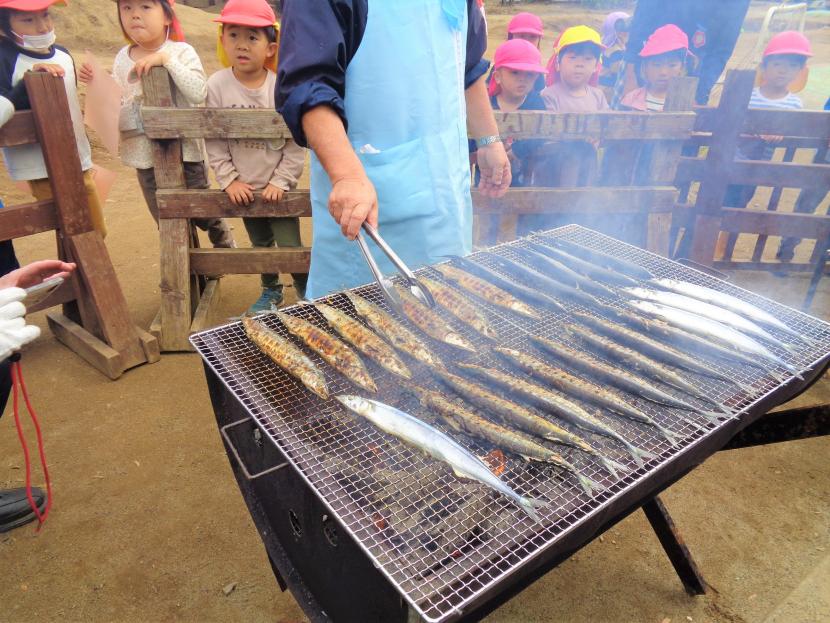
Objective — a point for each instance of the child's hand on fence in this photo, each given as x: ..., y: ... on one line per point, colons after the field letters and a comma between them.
x: 143, y: 66
x: 50, y: 68
x: 272, y: 194
x: 85, y: 73
x: 240, y: 193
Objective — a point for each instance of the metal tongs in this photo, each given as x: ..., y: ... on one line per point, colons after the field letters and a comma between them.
x: 418, y: 289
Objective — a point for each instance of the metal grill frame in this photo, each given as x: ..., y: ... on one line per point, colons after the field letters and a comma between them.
x: 526, y: 544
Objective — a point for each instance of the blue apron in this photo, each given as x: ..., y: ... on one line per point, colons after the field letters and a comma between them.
x: 407, y: 122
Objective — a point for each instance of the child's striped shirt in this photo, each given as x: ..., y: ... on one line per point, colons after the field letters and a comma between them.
x: 790, y: 102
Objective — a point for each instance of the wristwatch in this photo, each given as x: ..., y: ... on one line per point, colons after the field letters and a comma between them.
x: 488, y: 140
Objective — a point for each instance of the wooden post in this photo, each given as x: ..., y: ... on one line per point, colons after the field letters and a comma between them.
x: 107, y: 339
x: 663, y: 166
x: 719, y: 164
x: 175, y: 286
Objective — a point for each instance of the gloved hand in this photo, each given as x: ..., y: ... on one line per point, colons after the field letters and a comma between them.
x: 14, y: 332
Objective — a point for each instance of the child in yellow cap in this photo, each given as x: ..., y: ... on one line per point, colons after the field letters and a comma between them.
x: 574, y: 73
x: 248, y: 49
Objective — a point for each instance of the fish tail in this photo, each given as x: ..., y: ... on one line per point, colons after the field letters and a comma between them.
x: 638, y: 454
x: 588, y: 485
x: 793, y: 370
x: 713, y: 416
x: 612, y: 466
x: 669, y: 435
x: 529, y: 506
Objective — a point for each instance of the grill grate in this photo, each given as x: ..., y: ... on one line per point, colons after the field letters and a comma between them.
x: 440, y: 541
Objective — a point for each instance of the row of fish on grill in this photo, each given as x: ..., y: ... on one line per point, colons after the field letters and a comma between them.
x: 642, y: 329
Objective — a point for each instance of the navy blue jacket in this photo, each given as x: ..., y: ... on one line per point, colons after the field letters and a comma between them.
x: 318, y: 39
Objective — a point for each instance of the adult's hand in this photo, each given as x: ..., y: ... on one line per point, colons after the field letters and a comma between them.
x: 14, y: 332
x: 35, y: 273
x: 495, y: 170
x: 351, y: 202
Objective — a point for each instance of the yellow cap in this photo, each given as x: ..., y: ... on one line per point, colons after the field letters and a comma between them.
x: 578, y: 34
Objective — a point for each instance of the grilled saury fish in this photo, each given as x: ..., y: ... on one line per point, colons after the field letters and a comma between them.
x: 459, y: 306
x: 486, y: 290
x: 430, y: 322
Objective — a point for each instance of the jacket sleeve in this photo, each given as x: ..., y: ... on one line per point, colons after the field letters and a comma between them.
x: 318, y: 39
x: 187, y: 72
x: 288, y: 171
x: 475, y: 66
x: 218, y: 150
x: 13, y: 97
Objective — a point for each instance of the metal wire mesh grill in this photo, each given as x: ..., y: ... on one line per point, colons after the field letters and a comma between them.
x: 440, y: 541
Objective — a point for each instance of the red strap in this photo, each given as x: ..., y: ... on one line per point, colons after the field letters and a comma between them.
x: 17, y: 379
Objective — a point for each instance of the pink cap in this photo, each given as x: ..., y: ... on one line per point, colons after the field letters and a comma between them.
x: 526, y: 23
x: 789, y: 42
x: 665, y: 39
x: 516, y: 54
x: 28, y: 5
x: 253, y: 13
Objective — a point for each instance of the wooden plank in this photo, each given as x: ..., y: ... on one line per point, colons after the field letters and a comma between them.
x: 592, y: 200
x: 19, y: 130
x: 790, y: 267
x: 60, y: 152
x: 27, y: 219
x: 101, y: 283
x: 756, y: 173
x: 798, y: 142
x: 774, y: 199
x: 175, y: 285
x: 659, y: 233
x: 216, y: 204
x: 92, y: 350
x: 155, y: 326
x: 163, y: 123
x: 167, y: 155
x: 813, y: 124
x: 810, y: 226
x: 250, y: 261
x: 62, y: 294
x: 150, y: 345
x: 606, y: 126
x: 210, y: 298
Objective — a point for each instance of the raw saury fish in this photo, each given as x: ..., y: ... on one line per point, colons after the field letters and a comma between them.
x: 433, y: 442
x: 364, y: 339
x: 560, y: 271
x: 598, y: 257
x: 589, y: 269
x: 333, y: 350
x: 287, y: 356
x: 486, y: 291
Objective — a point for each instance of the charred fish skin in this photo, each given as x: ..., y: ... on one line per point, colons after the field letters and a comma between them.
x: 541, y: 281
x: 559, y: 405
x: 633, y: 359
x: 459, y: 306
x: 502, y: 437
x: 562, y: 272
x: 286, y: 355
x: 430, y: 323
x: 486, y: 291
x: 579, y: 265
x: 602, y: 259
x: 517, y: 289
x: 727, y: 301
x: 398, y: 335
x: 654, y: 348
x: 427, y: 439
x: 335, y: 352
x: 702, y: 308
x: 365, y: 340
x: 572, y: 385
x: 711, y: 329
x: 611, y: 375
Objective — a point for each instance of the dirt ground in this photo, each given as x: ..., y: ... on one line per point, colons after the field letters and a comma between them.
x: 148, y: 524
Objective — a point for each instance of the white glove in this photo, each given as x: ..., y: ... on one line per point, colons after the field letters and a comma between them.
x: 14, y: 332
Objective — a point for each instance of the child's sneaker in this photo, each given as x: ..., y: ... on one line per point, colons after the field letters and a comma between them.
x: 271, y: 298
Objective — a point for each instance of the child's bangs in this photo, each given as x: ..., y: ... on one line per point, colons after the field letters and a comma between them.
x: 790, y: 58
x: 584, y: 47
x: 674, y: 55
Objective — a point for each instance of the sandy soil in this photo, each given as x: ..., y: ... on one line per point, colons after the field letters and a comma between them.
x: 148, y: 524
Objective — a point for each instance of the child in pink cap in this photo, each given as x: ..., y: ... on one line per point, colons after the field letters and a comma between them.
x: 526, y: 26
x: 663, y: 57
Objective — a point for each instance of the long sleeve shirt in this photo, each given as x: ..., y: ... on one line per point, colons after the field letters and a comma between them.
x: 318, y: 40
x: 256, y: 162
x: 190, y: 88
x: 25, y: 162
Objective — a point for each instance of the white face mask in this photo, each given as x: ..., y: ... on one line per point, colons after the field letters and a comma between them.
x: 37, y: 42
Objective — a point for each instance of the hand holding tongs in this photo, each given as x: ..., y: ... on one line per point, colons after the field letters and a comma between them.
x: 419, y: 290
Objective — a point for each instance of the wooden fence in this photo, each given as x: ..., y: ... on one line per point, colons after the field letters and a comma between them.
x: 95, y: 322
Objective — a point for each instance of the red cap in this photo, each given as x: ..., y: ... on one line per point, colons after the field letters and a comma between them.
x: 516, y: 54
x: 253, y: 13
x: 29, y: 5
x: 668, y: 38
x: 526, y: 23
x: 789, y: 42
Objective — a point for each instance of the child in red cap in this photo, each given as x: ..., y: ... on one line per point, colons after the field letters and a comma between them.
x: 155, y: 39
x: 663, y: 58
x: 27, y: 43
x: 526, y: 26
x: 247, y: 48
